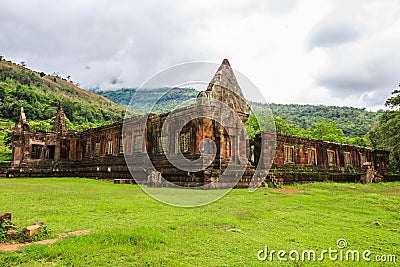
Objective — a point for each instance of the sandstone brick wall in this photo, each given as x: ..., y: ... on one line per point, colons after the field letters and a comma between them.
x: 98, y: 152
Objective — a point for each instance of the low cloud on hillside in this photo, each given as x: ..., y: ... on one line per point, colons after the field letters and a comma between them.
x: 318, y: 52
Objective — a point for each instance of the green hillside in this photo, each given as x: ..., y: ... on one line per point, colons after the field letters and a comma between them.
x: 5, y: 150
x: 165, y: 98
x: 353, y: 121
x: 40, y: 94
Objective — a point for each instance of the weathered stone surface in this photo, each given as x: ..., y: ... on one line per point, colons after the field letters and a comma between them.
x: 59, y: 124
x: 98, y: 153
x: 5, y: 217
x: 225, y: 88
x: 11, y: 234
x: 154, y: 179
x: 123, y: 181
x: 33, y: 230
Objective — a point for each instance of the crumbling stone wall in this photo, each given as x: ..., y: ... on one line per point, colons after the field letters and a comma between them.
x: 98, y: 152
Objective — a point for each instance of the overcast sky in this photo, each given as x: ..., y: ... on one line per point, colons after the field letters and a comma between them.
x: 318, y: 52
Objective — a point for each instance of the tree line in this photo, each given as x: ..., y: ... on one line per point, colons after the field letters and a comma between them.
x: 386, y: 135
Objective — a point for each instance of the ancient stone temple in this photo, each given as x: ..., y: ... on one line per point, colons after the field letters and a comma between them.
x: 190, y: 146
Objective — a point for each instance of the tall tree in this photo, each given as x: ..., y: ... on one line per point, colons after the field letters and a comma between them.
x: 386, y: 135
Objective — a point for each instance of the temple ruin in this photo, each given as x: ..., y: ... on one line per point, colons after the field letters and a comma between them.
x: 104, y: 152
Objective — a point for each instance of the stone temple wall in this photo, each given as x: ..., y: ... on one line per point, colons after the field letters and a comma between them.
x: 103, y: 152
x: 98, y: 153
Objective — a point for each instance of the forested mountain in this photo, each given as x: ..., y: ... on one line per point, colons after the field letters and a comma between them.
x: 386, y: 135
x: 166, y: 98
x: 353, y: 121
x: 40, y: 95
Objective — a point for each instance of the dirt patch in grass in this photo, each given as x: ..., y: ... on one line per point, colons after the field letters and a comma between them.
x: 16, y: 246
x: 393, y: 191
x: 288, y: 190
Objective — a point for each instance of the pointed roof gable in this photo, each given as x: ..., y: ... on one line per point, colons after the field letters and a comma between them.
x: 22, y: 116
x: 21, y: 125
x: 225, y: 88
x: 59, y: 123
x: 226, y: 78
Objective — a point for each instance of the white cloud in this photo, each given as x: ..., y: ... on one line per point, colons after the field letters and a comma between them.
x: 363, y: 70
x: 320, y: 52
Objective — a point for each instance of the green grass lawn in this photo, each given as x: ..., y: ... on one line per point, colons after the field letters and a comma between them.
x: 129, y: 228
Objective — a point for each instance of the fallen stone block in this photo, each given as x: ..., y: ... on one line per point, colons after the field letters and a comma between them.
x: 11, y: 233
x: 33, y: 230
x: 5, y: 217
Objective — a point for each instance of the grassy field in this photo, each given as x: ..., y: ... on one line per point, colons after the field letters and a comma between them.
x: 129, y: 228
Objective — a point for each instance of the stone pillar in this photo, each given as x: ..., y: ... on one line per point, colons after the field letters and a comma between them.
x: 20, y: 141
x: 368, y: 173
x: 57, y: 149
x: 222, y: 145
